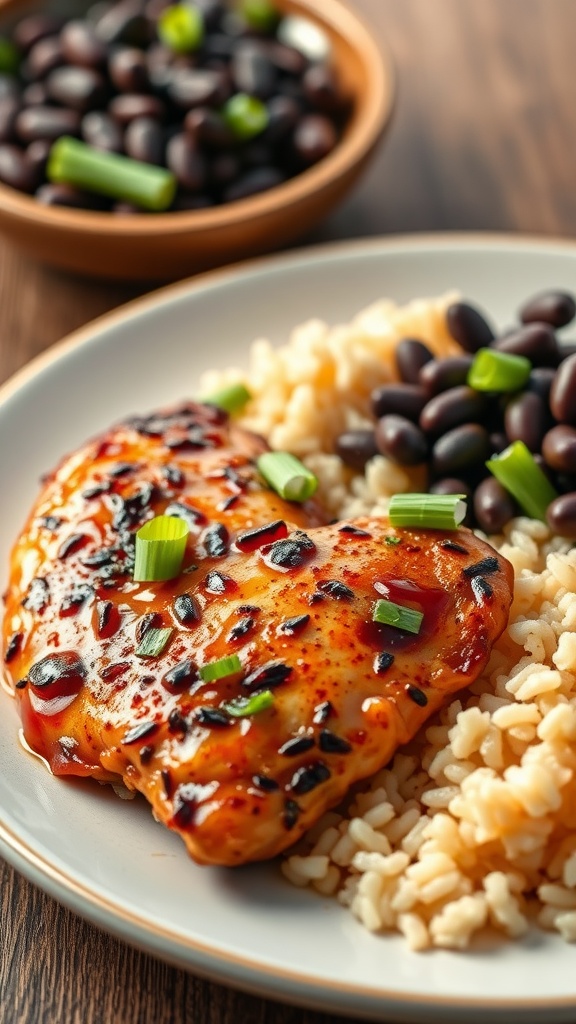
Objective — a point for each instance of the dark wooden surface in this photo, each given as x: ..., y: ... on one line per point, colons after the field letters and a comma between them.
x: 482, y: 139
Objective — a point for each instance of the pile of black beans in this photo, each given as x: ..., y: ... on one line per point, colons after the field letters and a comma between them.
x: 434, y: 417
x: 108, y: 79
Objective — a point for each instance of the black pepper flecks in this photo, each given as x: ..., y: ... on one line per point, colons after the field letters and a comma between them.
x: 146, y: 753
x: 336, y: 589
x: 354, y: 531
x: 294, y: 625
x: 251, y: 540
x: 216, y: 541
x: 382, y: 662
x: 38, y: 595
x: 265, y: 783
x: 193, y: 517
x: 322, y: 712
x: 129, y: 512
x: 56, y: 668
x: 271, y: 674
x: 482, y: 568
x: 139, y: 732
x: 296, y: 745
x: 52, y: 523
x: 97, y: 489
x: 308, y: 776
x: 291, y: 814
x: 173, y: 475
x: 211, y: 717
x: 75, y: 598
x: 180, y: 676
x: 240, y: 629
x: 417, y: 695
x: 481, y: 589
x: 104, y: 611
x: 186, y: 610
x: 451, y: 545
x: 290, y: 553
x: 330, y: 743
x: 151, y: 620
x: 177, y: 722
x: 167, y: 781
x: 13, y: 647
x: 217, y: 582
x: 227, y: 503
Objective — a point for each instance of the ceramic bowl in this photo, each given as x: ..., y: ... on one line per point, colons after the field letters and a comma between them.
x: 167, y: 246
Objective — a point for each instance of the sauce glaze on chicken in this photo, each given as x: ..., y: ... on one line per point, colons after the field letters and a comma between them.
x: 263, y: 578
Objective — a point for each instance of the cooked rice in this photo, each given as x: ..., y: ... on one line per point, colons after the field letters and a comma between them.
x: 474, y: 822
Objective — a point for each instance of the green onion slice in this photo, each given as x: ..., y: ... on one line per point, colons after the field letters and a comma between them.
x: 243, y: 706
x: 181, y: 27
x: 110, y: 174
x: 287, y: 476
x: 498, y: 371
x: 232, y: 398
x: 259, y: 14
x: 431, y: 511
x: 160, y: 546
x: 221, y: 668
x: 153, y: 642
x: 398, y: 615
x: 245, y: 115
x: 517, y: 470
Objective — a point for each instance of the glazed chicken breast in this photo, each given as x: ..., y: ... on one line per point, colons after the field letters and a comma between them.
x: 241, y: 765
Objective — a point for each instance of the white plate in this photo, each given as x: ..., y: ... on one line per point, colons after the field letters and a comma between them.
x: 106, y: 858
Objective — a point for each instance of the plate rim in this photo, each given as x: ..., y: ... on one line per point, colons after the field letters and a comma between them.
x: 227, y: 967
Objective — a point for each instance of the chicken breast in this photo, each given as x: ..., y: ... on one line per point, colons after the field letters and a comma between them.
x: 321, y: 695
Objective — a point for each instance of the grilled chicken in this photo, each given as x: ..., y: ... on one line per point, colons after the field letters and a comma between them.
x: 242, y: 765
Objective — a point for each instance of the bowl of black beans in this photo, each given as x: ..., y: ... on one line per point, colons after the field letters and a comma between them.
x: 150, y: 139
x: 495, y: 423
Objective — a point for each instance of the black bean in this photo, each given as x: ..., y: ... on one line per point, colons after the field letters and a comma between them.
x: 185, y: 160
x: 128, y: 70
x: 102, y: 132
x: 559, y: 448
x: 198, y: 87
x: 401, y: 440
x: 224, y: 168
x: 9, y: 86
x: 314, y: 138
x: 283, y: 114
x: 493, y: 505
x: 540, y: 382
x: 411, y: 356
x: 30, y: 30
x: 144, y: 140
x: 441, y: 374
x: 526, y: 419
x: 287, y: 59
x: 296, y: 745
x: 67, y: 195
x: 260, y: 179
x: 47, y: 123
x: 536, y: 341
x: 565, y: 350
x: 307, y: 777
x: 43, y: 58
x: 356, y: 448
x: 460, y: 448
x: 552, y: 307
x: 272, y: 673
x: 563, y: 392
x: 468, y: 327
x: 9, y: 109
x: 81, y: 45
x: 123, y: 22
x: 37, y: 154
x: 403, y: 399
x: 35, y: 95
x: 450, y: 485
x: 79, y: 88
x: 321, y: 89
x: 208, y: 127
x: 561, y: 515
x: 450, y: 408
x: 252, y: 70
x: 498, y: 441
x: 16, y: 170
x: 129, y: 105
x: 186, y: 609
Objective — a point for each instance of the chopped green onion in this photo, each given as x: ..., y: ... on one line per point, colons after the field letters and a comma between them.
x: 245, y: 115
x: 259, y: 14
x: 392, y: 541
x: 517, y: 470
x: 153, y: 642
x: 232, y: 398
x: 160, y: 546
x: 9, y: 56
x: 220, y: 669
x: 243, y: 706
x: 287, y: 476
x: 498, y: 371
x: 181, y: 27
x: 109, y: 174
x: 398, y: 615
x: 431, y: 511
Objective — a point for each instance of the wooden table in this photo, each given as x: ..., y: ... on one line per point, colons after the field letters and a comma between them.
x: 483, y: 139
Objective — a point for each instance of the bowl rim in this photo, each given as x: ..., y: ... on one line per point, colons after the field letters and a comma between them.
x: 368, y: 123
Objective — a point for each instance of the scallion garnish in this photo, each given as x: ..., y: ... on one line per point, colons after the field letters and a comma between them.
x: 397, y: 615
x: 431, y: 511
x: 153, y: 642
x: 498, y: 371
x: 259, y: 14
x: 221, y: 668
x: 232, y: 398
x: 517, y: 470
x: 181, y: 27
x: 245, y: 115
x: 287, y: 476
x: 160, y: 546
x: 243, y: 706
x: 72, y: 162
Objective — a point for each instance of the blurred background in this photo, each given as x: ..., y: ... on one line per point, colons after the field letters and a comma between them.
x: 482, y: 139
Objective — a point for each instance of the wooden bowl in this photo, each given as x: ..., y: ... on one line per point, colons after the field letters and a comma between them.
x: 167, y: 246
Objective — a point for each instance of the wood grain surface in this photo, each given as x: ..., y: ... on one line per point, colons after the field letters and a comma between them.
x: 482, y: 139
